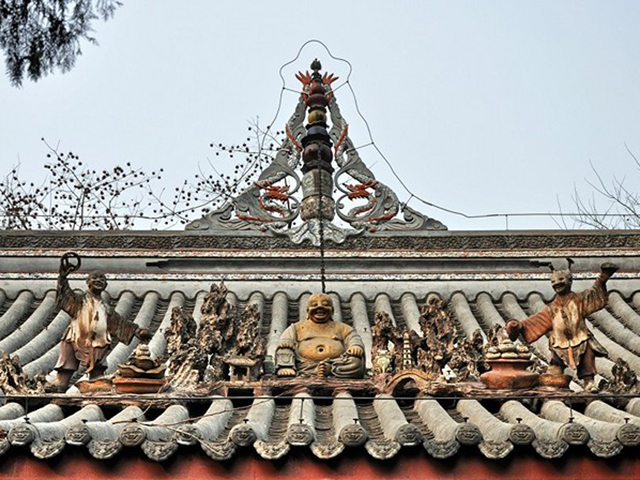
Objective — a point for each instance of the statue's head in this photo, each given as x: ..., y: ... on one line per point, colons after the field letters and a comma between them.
x: 97, y: 282
x: 561, y: 281
x: 320, y: 308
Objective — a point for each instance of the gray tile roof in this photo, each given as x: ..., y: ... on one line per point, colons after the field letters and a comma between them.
x: 384, y: 425
x: 484, y: 288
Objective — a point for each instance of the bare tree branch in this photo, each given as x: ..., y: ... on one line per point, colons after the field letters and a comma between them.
x: 74, y: 196
x: 612, y: 204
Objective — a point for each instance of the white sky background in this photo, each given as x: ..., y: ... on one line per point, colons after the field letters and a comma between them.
x: 481, y: 107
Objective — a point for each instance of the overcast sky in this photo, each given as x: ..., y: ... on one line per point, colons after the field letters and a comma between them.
x: 481, y: 107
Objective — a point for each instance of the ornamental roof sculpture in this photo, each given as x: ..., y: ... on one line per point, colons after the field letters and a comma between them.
x: 431, y: 340
x: 424, y: 340
x: 271, y: 203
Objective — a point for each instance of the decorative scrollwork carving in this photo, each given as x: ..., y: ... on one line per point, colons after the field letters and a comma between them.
x: 444, y: 449
x: 495, y: 450
x: 44, y: 449
x: 265, y: 204
x: 159, y: 451
x: 269, y: 205
x: 222, y: 219
x: 327, y: 450
x: 381, y: 203
x: 219, y: 450
x: 271, y: 450
x: 310, y: 231
x: 382, y: 450
x: 413, y: 221
x: 161, y: 241
x: 104, y: 449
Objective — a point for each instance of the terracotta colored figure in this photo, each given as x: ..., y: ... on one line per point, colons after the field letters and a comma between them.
x: 571, y: 342
x: 87, y: 339
x: 320, y: 346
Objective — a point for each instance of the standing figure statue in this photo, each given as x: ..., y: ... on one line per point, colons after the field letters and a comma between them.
x: 87, y: 339
x: 571, y: 343
x: 319, y: 345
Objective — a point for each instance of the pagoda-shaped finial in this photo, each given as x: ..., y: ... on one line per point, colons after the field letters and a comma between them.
x: 317, y: 102
x: 328, y: 158
x: 317, y: 153
x: 317, y: 144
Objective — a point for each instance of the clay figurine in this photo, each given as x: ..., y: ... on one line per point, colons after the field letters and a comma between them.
x: 571, y: 343
x: 320, y: 346
x: 87, y: 339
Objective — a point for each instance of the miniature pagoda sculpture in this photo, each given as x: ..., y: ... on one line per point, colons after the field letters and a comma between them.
x: 270, y: 204
x: 87, y: 339
x: 571, y: 342
x: 141, y: 373
x: 319, y: 345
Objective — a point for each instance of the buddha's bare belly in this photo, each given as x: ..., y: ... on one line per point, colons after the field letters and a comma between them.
x: 320, y: 348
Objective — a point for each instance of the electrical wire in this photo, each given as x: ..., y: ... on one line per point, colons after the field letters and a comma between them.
x: 68, y: 398
x: 412, y: 194
x: 569, y: 397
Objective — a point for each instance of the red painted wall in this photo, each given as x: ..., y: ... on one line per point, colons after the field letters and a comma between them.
x: 192, y: 463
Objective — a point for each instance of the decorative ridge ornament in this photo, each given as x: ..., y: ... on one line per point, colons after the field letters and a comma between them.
x: 270, y: 205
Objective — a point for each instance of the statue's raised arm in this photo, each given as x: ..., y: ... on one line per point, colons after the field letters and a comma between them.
x: 66, y: 298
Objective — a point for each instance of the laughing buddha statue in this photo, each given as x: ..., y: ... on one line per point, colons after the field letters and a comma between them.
x: 320, y: 346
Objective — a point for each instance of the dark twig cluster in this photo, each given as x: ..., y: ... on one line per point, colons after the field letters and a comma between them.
x: 208, y: 190
x: 250, y: 158
x: 74, y: 196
